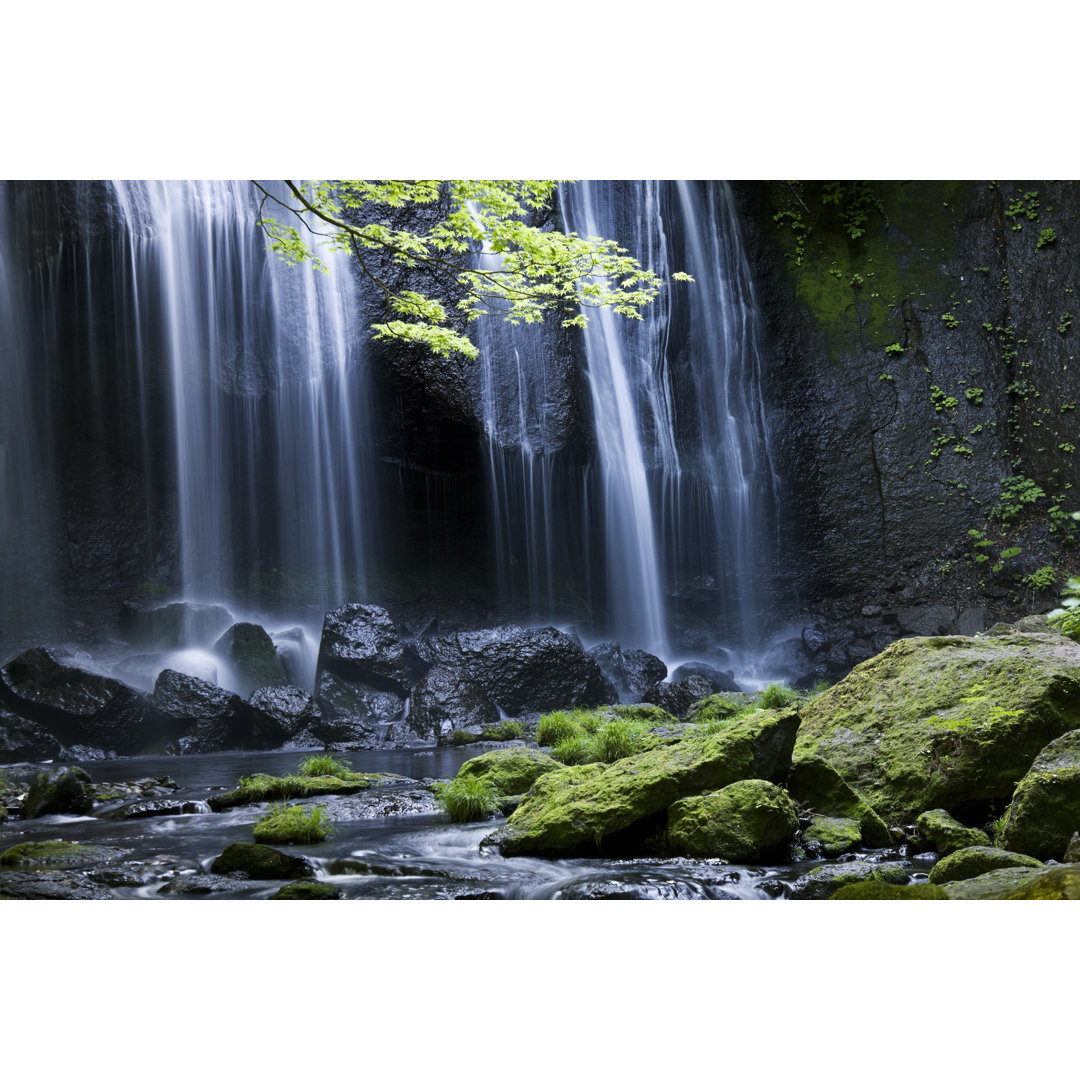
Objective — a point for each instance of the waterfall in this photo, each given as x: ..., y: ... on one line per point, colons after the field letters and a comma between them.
x: 689, y: 492
x: 188, y: 355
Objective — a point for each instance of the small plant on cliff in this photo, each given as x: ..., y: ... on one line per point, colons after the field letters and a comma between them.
x: 1067, y: 617
x: 1047, y: 236
x: 1042, y: 579
x: 468, y: 798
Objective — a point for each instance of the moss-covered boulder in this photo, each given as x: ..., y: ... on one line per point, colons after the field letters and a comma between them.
x: 742, y: 822
x: 54, y: 854
x: 947, y: 835
x: 947, y: 722
x: 263, y: 788
x: 1045, y: 810
x: 59, y: 791
x: 308, y: 890
x: 293, y: 825
x: 993, y: 885
x: 832, y: 836
x: 716, y: 707
x: 970, y: 862
x: 815, y: 783
x: 1056, y: 883
x: 574, y: 809
x: 511, y: 771
x: 261, y: 863
x: 821, y: 882
x: 880, y: 890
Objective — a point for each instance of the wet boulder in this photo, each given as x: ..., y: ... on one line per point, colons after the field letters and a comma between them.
x: 950, y: 723
x: 742, y: 822
x: 719, y: 681
x: 445, y: 700
x: 1045, y: 809
x: 832, y: 836
x: 361, y: 644
x: 632, y: 672
x: 74, y: 705
x: 249, y: 652
x: 353, y: 714
x: 60, y: 854
x: 291, y: 708
x: 206, y: 719
x: 815, y: 783
x: 261, y: 862
x: 1054, y: 883
x: 821, y: 882
x: 523, y: 670
x: 578, y: 810
x: 881, y: 890
x: 172, y: 626
x: 970, y: 862
x: 59, y: 791
x: 307, y: 890
x: 941, y: 829
x: 25, y: 740
x: 679, y: 697
x: 994, y: 884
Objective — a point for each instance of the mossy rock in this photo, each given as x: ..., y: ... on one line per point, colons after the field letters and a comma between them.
x: 714, y: 707
x: 1045, y: 810
x: 262, y: 788
x: 511, y: 771
x: 814, y: 782
x: 881, y: 890
x: 993, y: 885
x: 573, y: 809
x: 970, y: 862
x: 741, y: 822
x: 947, y: 835
x: 821, y: 882
x: 261, y: 863
x: 59, y: 791
x: 54, y: 854
x: 1056, y: 883
x: 307, y: 890
x: 946, y: 722
x: 292, y: 825
x: 833, y: 835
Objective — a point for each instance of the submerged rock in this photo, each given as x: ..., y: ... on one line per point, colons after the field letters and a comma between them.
x: 945, y: 722
x: 573, y: 810
x: 260, y: 862
x: 307, y: 890
x: 1045, y: 810
x: 741, y: 822
x: 947, y: 835
x: 522, y: 670
x: 971, y: 862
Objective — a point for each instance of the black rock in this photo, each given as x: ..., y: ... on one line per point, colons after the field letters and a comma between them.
x: 719, y: 681
x: 633, y: 672
x: 353, y: 713
x: 446, y: 699
x: 59, y: 791
x: 677, y: 698
x: 360, y: 643
x: 261, y: 862
x: 288, y: 706
x: 248, y: 650
x: 74, y: 705
x: 24, y: 740
x: 523, y: 670
x: 173, y: 626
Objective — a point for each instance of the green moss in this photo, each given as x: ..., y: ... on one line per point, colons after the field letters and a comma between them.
x: 1045, y: 809
x: 947, y: 834
x: 993, y: 885
x: 1057, y: 883
x: 307, y: 890
x: 972, y: 861
x: 325, y: 765
x: 263, y: 788
x: 742, y: 822
x: 468, y: 798
x: 55, y: 853
x: 880, y: 890
x: 293, y: 825
x: 512, y: 771
x: 833, y: 835
x: 814, y: 782
x: 505, y: 731
x: 260, y: 862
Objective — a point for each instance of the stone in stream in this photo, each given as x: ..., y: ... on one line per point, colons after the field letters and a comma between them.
x: 260, y: 862
x: 947, y: 835
x: 970, y: 862
x: 59, y: 791
x: 632, y: 672
x: 361, y: 644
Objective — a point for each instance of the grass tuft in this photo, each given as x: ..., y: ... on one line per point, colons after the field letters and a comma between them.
x: 468, y: 798
x: 286, y: 824
x: 325, y: 765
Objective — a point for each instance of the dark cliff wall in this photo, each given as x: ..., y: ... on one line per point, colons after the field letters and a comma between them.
x: 922, y: 354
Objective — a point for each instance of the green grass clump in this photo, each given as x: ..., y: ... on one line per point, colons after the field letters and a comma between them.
x: 616, y: 740
x: 468, y: 798
x: 573, y: 749
x: 776, y: 696
x: 507, y: 730
x: 554, y: 727
x: 285, y: 824
x: 325, y: 765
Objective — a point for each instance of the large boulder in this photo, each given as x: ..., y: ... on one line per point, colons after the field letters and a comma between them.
x: 1045, y: 810
x: 522, y: 670
x: 633, y: 672
x: 261, y: 862
x: 970, y: 862
x: 831, y: 836
x: 447, y: 699
x: 742, y: 822
x: 949, y: 723
x: 354, y: 715
x: 1054, y: 883
x: 361, y: 644
x: 678, y: 698
x: 206, y: 719
x: 291, y: 708
x: 576, y: 810
x: 59, y: 791
x: 172, y: 626
x: 24, y: 740
x: 74, y: 705
x: 511, y: 771
x: 816, y: 784
x: 251, y: 656
x: 941, y: 829
x: 719, y: 681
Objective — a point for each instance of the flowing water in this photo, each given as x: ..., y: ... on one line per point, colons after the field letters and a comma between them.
x: 411, y: 856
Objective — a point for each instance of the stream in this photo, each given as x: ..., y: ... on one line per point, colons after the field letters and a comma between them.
x: 389, y: 844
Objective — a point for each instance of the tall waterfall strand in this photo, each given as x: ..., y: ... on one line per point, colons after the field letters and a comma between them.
x: 268, y: 397
x: 626, y: 377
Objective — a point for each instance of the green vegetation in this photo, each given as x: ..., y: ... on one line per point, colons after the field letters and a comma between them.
x: 1047, y: 236
x: 1066, y: 618
x: 1042, y: 579
x: 263, y: 788
x: 505, y: 731
x: 776, y: 696
x: 468, y: 798
x: 581, y: 736
x: 325, y: 765
x: 285, y: 824
x: 542, y: 269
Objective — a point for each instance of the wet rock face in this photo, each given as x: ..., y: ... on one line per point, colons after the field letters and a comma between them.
x: 1045, y: 810
x: 23, y: 740
x: 172, y: 626
x: 75, y: 706
x: 352, y: 713
x: 678, y: 698
x: 248, y: 650
x: 522, y: 670
x: 446, y: 699
x: 288, y: 706
x: 361, y: 644
x: 633, y: 672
